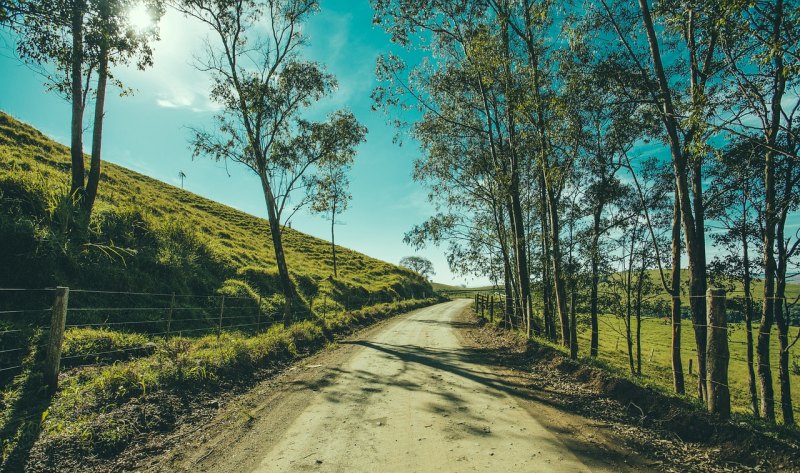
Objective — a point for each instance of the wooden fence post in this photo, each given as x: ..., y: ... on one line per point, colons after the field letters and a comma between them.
x: 491, y: 308
x: 169, y: 314
x: 258, y: 315
x: 57, y: 321
x: 717, y: 354
x: 221, y: 310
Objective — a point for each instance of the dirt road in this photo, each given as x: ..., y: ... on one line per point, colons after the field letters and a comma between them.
x: 407, y: 397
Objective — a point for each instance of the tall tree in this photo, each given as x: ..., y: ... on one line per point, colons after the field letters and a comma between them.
x: 72, y: 41
x: 760, y: 48
x: 693, y: 29
x: 331, y: 196
x: 263, y: 86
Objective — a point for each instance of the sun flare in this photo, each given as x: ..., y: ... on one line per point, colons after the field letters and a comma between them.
x: 139, y: 17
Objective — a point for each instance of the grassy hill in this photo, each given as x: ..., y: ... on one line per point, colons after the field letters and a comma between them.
x: 147, y: 235
x: 129, y: 341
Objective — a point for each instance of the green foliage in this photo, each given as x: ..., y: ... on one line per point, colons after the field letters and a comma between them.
x: 111, y: 345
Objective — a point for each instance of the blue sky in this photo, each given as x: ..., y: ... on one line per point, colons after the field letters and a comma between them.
x: 147, y: 132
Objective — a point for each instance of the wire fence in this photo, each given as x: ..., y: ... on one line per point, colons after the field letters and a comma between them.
x: 654, y: 353
x: 106, y: 326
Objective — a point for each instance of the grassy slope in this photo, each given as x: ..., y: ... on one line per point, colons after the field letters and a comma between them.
x: 237, y: 241
x: 146, y: 235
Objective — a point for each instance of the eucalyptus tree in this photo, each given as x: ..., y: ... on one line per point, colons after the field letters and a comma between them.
x: 737, y: 212
x: 760, y: 46
x: 603, y: 128
x: 330, y: 195
x: 72, y: 42
x: 530, y: 29
x: 681, y: 89
x: 262, y: 87
x: 467, y: 101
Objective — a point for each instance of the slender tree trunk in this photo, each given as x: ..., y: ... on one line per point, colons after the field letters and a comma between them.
x: 629, y: 303
x: 698, y: 283
x: 767, y: 316
x: 770, y: 217
x: 547, y: 295
x: 287, y: 286
x: 573, y: 333
x: 514, y: 263
x: 748, y: 322
x: 97, y: 135
x: 593, y: 301
x: 695, y: 248
x: 558, y: 277
x: 509, y: 308
x: 517, y: 219
x: 76, y: 90
x: 639, y: 286
x: 520, y: 251
x: 784, y: 380
x: 781, y: 317
x: 677, y: 362
x: 333, y: 239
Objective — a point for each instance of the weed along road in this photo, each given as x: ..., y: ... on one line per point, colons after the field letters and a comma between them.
x: 406, y: 397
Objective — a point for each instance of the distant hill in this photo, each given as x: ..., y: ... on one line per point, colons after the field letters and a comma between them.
x: 147, y: 235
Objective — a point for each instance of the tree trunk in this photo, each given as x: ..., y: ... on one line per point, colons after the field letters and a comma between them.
x: 770, y: 217
x: 677, y: 363
x: 781, y: 317
x: 76, y: 86
x: 748, y: 321
x: 593, y: 302
x: 547, y: 295
x: 508, y: 290
x: 517, y: 219
x: 97, y: 135
x: 333, y: 239
x: 287, y: 286
x: 695, y: 248
x: 629, y: 303
x: 558, y: 278
x: 698, y: 285
x: 639, y: 284
x: 521, y: 257
x: 784, y: 373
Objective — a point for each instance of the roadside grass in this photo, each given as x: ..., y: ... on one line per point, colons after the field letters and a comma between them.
x: 86, y: 415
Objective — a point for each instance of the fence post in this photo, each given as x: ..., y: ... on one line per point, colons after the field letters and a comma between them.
x: 169, y: 314
x: 717, y: 354
x: 491, y: 308
x: 221, y: 310
x: 57, y: 321
x: 258, y: 315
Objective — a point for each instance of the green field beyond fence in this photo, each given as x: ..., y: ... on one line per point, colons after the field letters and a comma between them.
x: 657, y: 358
x: 656, y: 340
